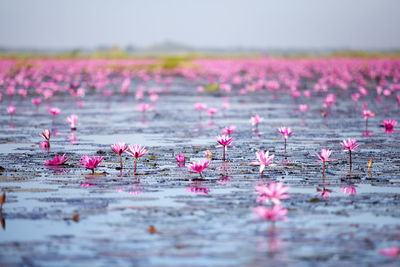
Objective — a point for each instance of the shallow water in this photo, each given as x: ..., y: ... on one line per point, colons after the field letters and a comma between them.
x: 66, y: 216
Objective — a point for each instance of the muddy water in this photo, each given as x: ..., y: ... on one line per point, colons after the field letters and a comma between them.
x: 66, y: 216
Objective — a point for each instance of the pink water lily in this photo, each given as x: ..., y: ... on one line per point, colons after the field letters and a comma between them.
x: 224, y: 141
x: 46, y: 134
x: 180, y: 158
x: 54, y: 111
x: 350, y: 145
x: 274, y: 192
x: 367, y: 114
x: 72, y: 121
x: 142, y: 107
x: 11, y: 110
x: 90, y: 162
x: 263, y: 159
x: 350, y: 190
x: 274, y: 213
x: 57, y: 160
x: 198, y: 166
x: 389, y: 125
x: 229, y: 130
x: 286, y: 132
x: 392, y: 252
x: 324, y: 157
x: 36, y: 101
x: 137, y: 151
x: 255, y: 120
x: 119, y: 148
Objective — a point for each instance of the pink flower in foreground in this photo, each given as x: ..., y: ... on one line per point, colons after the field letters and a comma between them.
x: 198, y: 166
x: 263, y: 159
x: 119, y: 148
x: 286, y: 132
x: 180, y: 158
x: 392, y: 252
x: 350, y: 145
x: 58, y: 160
x: 350, y: 190
x: 275, y: 213
x: 324, y: 157
x: 137, y: 151
x: 90, y: 163
x: 274, y: 192
x: 255, y: 120
x: 225, y: 141
x: 229, y: 130
x: 11, y: 110
x: 72, y: 121
x: 389, y: 125
x: 54, y: 111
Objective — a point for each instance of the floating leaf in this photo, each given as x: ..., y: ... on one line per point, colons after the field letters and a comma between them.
x: 152, y: 229
x: 369, y: 164
x: 315, y: 200
x: 152, y: 157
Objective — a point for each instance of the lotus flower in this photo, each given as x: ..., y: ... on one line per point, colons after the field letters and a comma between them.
x: 350, y: 190
x: 392, y: 252
x: 58, y: 160
x: 324, y: 157
x: 224, y: 141
x: 350, y: 145
x: 286, y: 132
x: 367, y: 114
x: 54, y: 111
x: 263, y: 159
x: 90, y: 163
x: 229, y: 130
x: 274, y: 192
x: 389, y: 125
x: 72, y: 121
x: 11, y: 110
x: 255, y: 120
x: 137, y: 151
x: 198, y: 166
x: 119, y: 148
x: 180, y: 158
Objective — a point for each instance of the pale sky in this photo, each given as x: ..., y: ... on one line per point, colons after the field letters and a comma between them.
x: 281, y: 24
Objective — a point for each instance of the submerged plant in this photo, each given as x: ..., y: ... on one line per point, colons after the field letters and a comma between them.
x: 286, y: 132
x: 198, y: 166
x: 224, y: 141
x: 324, y: 157
x: 350, y: 145
x: 119, y: 148
x: 137, y: 151
x: 90, y: 162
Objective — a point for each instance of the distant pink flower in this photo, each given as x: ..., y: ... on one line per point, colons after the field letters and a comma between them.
x: 224, y: 140
x: 225, y: 106
x: 355, y: 97
x: 72, y: 121
x: 198, y: 166
x: 229, y: 130
x: 304, y: 108
x: 324, y: 157
x: 137, y: 151
x: 325, y: 194
x: 54, y: 111
x: 350, y: 190
x: 212, y: 111
x: 180, y: 158
x: 200, y: 106
x: 330, y: 99
x: 274, y: 192
x: 367, y: 114
x: 286, y: 132
x: 350, y: 145
x: 90, y: 162
x: 36, y: 101
x: 392, y: 252
x: 255, y: 120
x: 58, y: 160
x: 389, y: 125
x: 263, y: 159
x: 11, y: 110
x: 275, y: 213
x: 119, y: 148
x: 142, y: 107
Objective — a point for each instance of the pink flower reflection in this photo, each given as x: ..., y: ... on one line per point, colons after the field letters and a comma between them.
x: 350, y: 190
x: 198, y: 189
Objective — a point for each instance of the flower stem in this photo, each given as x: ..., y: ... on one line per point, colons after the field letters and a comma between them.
x: 120, y: 159
x: 323, y: 168
x: 223, y: 155
x: 135, y: 164
x: 201, y: 176
x: 350, y: 158
x: 285, y: 145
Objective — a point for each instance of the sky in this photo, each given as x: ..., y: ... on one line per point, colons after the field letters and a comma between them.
x: 279, y: 24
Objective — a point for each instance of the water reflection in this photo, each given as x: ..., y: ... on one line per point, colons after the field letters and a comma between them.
x: 198, y: 188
